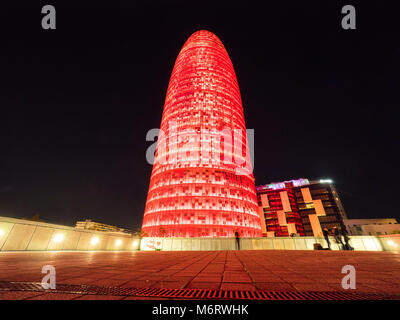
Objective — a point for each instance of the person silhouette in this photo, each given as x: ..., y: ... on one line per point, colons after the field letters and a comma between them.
x: 346, y: 238
x: 338, y: 237
x: 237, y: 239
x: 326, y: 236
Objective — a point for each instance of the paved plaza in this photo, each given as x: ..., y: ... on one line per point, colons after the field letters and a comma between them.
x: 376, y: 272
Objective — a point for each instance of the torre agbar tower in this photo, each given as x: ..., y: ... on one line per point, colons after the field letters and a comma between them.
x: 202, y: 183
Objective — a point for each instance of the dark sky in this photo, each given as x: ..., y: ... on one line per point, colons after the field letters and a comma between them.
x: 76, y: 102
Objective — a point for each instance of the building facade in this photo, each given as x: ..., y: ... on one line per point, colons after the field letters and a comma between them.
x: 279, y: 208
x: 202, y: 183
x: 97, y: 226
x: 300, y: 207
x: 372, y: 227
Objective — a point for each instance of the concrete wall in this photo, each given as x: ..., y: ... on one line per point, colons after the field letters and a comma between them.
x: 359, y: 243
x: 18, y: 235
x: 390, y: 242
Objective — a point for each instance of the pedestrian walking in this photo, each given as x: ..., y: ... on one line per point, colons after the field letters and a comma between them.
x: 338, y: 237
x: 325, y: 232
x: 346, y: 240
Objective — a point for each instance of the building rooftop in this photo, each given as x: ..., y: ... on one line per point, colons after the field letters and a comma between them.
x: 296, y: 183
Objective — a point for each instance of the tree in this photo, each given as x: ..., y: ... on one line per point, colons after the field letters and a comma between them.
x: 143, y: 234
x: 35, y: 217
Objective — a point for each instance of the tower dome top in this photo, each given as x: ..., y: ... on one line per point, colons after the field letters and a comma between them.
x: 203, y: 38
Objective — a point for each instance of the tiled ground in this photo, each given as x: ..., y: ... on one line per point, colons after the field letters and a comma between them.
x: 377, y: 272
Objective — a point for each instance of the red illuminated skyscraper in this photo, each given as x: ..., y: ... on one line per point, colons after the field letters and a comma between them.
x: 202, y: 183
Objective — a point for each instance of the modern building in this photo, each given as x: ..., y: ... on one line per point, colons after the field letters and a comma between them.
x: 277, y: 204
x: 300, y: 207
x: 202, y: 183
x: 92, y: 225
x: 371, y: 227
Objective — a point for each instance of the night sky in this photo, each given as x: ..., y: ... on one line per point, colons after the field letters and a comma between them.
x: 77, y: 102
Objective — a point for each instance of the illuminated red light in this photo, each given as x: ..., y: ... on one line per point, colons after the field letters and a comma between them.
x: 196, y: 186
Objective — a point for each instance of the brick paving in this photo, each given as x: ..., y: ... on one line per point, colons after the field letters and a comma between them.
x: 377, y: 272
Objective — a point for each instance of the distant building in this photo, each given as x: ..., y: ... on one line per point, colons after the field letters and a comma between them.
x: 371, y: 227
x: 277, y: 204
x: 300, y: 207
x: 92, y: 225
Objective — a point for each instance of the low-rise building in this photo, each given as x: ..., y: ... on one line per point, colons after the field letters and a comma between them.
x: 92, y: 225
x: 371, y: 227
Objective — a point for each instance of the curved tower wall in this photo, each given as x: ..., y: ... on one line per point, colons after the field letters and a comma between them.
x: 202, y: 183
